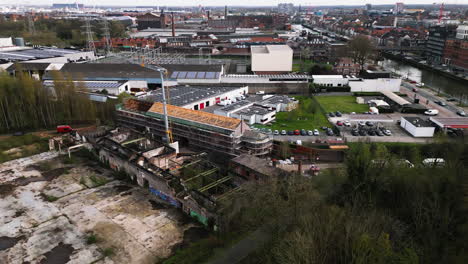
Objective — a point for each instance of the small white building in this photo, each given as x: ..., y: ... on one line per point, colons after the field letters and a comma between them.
x: 271, y: 59
x: 281, y: 103
x: 330, y: 80
x: 375, y: 85
x: 250, y: 112
x: 104, y: 87
x: 417, y: 127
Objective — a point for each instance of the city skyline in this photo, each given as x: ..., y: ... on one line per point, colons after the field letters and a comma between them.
x: 222, y: 2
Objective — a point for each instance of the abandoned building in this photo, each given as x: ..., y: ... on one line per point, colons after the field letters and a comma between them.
x: 194, y: 129
x: 189, y: 182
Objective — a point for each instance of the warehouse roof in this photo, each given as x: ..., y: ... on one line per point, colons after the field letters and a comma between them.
x: 196, y: 116
x: 452, y: 122
x: 183, y: 95
x: 104, y: 70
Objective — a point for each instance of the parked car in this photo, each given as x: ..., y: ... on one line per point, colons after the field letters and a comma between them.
x: 432, y: 112
x: 347, y: 123
x: 461, y: 113
x: 440, y: 103
x: 330, y: 132
x: 387, y: 132
x: 310, y: 132
x: 64, y: 129
x: 355, y: 132
x: 331, y: 114
x: 413, y: 82
x: 339, y: 123
x: 369, y: 123
x: 451, y: 99
x: 362, y: 133
x: 338, y: 114
x: 290, y: 132
x: 415, y: 90
x: 361, y: 123
x: 283, y: 132
x: 316, y: 132
x: 297, y: 132
x: 276, y: 132
x: 303, y: 132
x: 380, y: 133
x: 371, y: 132
x: 324, y: 128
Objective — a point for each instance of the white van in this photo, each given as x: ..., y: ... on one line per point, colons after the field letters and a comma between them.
x: 432, y: 112
x: 434, y: 162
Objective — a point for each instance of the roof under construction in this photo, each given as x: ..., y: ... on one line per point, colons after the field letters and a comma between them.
x: 196, y: 116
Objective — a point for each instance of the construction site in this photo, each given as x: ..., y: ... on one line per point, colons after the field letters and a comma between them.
x: 194, y: 129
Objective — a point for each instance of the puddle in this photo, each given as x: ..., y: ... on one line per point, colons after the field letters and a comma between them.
x: 58, y: 255
x: 52, y: 174
x: 6, y: 189
x: 158, y: 206
x: 8, y: 242
x: 122, y: 188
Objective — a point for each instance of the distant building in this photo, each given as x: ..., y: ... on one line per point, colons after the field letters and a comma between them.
x: 151, y: 20
x: 456, y: 50
x: 435, y: 46
x: 368, y: 7
x: 346, y: 66
x: 399, y: 7
x: 285, y: 8
x: 271, y: 59
x: 68, y: 6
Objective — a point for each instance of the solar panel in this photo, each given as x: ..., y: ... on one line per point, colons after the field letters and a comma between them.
x: 210, y: 75
x: 181, y: 75
x: 200, y: 75
x: 174, y: 74
x: 191, y: 75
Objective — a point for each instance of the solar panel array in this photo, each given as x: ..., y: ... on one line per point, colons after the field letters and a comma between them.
x: 194, y: 75
x: 30, y: 54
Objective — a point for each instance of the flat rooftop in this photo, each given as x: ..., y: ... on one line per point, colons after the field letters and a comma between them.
x: 35, y: 54
x: 418, y: 122
x: 235, y: 106
x: 255, y: 110
x: 452, y: 122
x: 269, y: 48
x: 183, y: 95
x: 327, y: 77
x: 106, y: 70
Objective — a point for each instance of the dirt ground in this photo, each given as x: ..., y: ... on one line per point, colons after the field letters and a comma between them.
x: 52, y: 212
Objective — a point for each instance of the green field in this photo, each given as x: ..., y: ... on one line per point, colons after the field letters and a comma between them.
x: 307, y: 116
x: 344, y: 104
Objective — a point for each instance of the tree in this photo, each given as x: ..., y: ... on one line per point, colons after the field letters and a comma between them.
x: 360, y: 48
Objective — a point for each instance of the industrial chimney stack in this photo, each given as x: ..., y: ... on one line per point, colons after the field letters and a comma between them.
x: 225, y: 12
x: 173, y: 24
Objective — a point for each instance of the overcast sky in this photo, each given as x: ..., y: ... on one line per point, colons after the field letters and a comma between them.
x: 226, y: 2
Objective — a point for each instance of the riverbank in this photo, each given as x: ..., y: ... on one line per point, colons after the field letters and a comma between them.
x: 424, y: 66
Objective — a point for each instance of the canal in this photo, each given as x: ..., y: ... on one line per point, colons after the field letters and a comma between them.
x: 432, y: 79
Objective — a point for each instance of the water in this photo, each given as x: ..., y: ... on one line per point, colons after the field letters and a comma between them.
x: 432, y: 79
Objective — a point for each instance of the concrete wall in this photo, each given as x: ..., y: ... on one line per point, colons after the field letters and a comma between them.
x: 274, y: 59
x: 330, y: 80
x: 6, y: 42
x: 417, y: 131
x: 375, y: 85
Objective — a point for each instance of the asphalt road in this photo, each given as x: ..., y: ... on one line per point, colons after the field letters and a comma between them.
x: 425, y: 95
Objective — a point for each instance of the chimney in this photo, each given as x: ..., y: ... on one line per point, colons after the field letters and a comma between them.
x: 225, y: 12
x: 208, y: 15
x: 173, y: 25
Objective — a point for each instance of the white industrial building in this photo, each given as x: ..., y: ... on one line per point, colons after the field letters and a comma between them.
x: 375, y: 85
x: 330, y: 80
x: 417, y: 127
x: 250, y: 112
x: 196, y: 97
x: 270, y: 59
x: 105, y: 87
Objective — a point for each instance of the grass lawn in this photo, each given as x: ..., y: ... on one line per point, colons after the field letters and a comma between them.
x: 15, y: 147
x: 344, y: 104
x: 301, y: 118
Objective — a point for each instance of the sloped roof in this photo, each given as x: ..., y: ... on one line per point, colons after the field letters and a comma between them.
x: 197, y: 116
